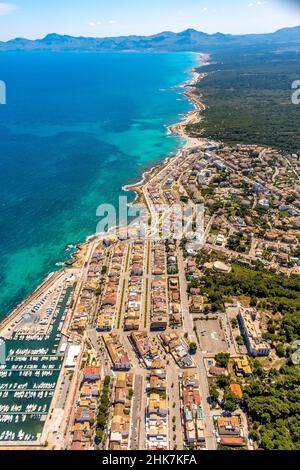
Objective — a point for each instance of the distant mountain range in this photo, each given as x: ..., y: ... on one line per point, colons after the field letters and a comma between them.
x: 188, y: 40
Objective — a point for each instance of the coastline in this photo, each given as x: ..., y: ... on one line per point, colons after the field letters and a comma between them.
x: 178, y: 129
x: 78, y: 259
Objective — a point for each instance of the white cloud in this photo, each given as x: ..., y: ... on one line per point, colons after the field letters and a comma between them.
x: 204, y: 9
x: 7, y: 8
x: 93, y: 24
x: 257, y: 4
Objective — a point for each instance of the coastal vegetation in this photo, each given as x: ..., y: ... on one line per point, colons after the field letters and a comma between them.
x: 248, y: 98
x: 222, y: 359
x: 278, y: 297
x: 272, y: 401
x: 271, y: 395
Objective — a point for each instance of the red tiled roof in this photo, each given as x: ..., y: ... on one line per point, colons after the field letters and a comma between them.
x: 90, y: 370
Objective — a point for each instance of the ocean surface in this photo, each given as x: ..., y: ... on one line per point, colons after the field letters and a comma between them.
x: 75, y: 129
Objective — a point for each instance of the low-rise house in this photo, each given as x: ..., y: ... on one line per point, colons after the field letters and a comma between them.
x: 196, y: 303
x: 242, y: 366
x: 229, y: 431
x: 110, y: 293
x: 156, y: 422
x: 232, y: 441
x: 146, y: 349
x: 174, y: 301
x: 159, y: 295
x: 156, y: 381
x: 236, y: 390
x: 192, y: 411
x: 178, y: 349
x: 118, y: 355
x: 86, y: 408
x: 121, y: 418
x: 92, y: 373
x: 157, y: 406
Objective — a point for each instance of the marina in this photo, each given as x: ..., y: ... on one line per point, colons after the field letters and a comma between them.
x: 33, y: 364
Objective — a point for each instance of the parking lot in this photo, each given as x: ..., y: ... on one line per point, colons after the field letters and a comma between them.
x: 211, y: 336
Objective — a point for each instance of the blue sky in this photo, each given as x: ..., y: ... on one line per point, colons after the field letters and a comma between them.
x: 36, y: 18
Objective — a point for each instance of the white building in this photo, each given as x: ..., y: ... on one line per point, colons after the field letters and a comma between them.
x: 72, y: 356
x: 250, y: 329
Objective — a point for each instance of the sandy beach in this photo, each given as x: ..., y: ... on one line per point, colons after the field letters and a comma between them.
x: 194, y: 117
x: 179, y: 128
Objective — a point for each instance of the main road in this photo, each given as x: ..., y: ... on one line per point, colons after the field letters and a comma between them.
x: 188, y: 326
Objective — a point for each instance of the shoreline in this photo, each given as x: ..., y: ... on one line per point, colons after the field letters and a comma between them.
x: 78, y: 258
x: 174, y: 129
x: 179, y: 128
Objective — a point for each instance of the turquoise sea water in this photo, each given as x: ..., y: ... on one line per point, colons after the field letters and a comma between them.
x: 76, y: 128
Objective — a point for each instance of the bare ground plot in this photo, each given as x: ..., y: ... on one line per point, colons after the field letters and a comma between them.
x: 211, y: 336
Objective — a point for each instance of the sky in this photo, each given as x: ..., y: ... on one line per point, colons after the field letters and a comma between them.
x: 100, y: 18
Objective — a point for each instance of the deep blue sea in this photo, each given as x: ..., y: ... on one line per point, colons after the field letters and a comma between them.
x: 75, y: 129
